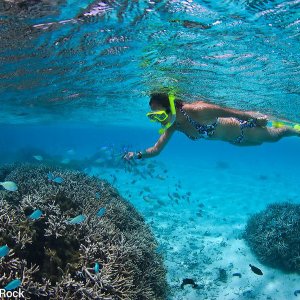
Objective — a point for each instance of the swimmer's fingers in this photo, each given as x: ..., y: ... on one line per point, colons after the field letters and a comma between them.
x: 260, y: 118
x: 128, y: 156
x: 262, y: 121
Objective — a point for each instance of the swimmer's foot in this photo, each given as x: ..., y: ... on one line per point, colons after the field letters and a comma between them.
x: 297, y: 129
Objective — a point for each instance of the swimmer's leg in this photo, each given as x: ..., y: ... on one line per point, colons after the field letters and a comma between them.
x: 258, y: 135
x: 229, y: 129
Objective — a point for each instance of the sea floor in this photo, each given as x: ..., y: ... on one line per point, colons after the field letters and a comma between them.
x: 198, y: 213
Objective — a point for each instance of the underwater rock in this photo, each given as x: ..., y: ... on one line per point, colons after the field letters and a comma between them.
x: 190, y: 281
x: 112, y: 257
x: 297, y: 292
x: 222, y: 275
x: 274, y: 236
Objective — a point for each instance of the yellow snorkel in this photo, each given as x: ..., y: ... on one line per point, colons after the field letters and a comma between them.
x: 173, y: 114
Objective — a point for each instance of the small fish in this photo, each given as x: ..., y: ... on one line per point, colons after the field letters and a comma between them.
x: 114, y: 178
x: 65, y: 161
x: 71, y: 152
x: 97, y: 195
x: 100, y: 161
x: 96, y: 268
x: 297, y: 292
x: 256, y: 270
x: 101, y: 212
x: 161, y: 177
x: 50, y: 176
x: 200, y: 214
x: 143, y: 176
x: 58, y: 180
x: 77, y: 220
x: 153, y: 197
x: 36, y: 214
x: 38, y: 157
x: 170, y: 196
x: 188, y: 281
x: 237, y: 274
x: 13, y: 285
x: 161, y: 203
x: 9, y: 185
x: 147, y: 199
x: 4, y: 250
x: 176, y: 195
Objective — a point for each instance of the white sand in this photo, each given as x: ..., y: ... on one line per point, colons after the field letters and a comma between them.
x: 197, y: 246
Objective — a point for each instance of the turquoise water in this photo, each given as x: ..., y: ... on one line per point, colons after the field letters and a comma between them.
x: 70, y: 61
x: 75, y: 81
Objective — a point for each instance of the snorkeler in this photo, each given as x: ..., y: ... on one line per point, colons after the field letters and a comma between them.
x: 204, y: 120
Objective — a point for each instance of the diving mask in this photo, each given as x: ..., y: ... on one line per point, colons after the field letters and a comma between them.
x: 157, y: 116
x: 161, y: 115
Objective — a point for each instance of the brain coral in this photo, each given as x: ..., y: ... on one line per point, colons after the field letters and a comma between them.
x: 274, y: 236
x: 103, y: 257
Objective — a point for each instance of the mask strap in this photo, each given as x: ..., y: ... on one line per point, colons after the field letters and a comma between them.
x: 173, y: 113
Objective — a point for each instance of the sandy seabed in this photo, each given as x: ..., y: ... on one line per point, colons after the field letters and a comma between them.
x: 198, y: 214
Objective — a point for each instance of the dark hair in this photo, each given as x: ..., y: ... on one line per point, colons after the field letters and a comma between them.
x: 163, y: 100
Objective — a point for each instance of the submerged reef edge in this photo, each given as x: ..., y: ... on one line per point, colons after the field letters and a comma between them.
x: 61, y: 248
x: 274, y: 236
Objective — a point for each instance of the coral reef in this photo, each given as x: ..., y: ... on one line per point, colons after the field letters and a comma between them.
x: 274, y: 236
x: 105, y: 256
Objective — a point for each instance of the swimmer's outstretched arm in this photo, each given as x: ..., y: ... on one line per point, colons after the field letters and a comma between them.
x: 154, y: 150
x: 160, y: 144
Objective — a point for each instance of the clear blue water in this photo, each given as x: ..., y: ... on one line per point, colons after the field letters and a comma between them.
x: 68, y: 60
x: 74, y: 79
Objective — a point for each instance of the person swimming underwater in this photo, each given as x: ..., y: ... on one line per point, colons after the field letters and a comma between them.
x: 209, y: 121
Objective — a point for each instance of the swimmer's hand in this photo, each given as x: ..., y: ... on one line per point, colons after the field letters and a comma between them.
x: 262, y: 121
x: 129, y: 156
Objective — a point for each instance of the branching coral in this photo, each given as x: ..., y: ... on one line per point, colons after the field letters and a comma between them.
x: 56, y: 259
x: 274, y: 236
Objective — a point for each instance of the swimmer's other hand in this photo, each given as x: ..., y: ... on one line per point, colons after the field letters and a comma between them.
x: 262, y: 121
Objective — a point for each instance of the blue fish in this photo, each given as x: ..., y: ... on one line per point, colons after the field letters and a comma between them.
x: 13, y: 285
x: 77, y: 220
x: 96, y: 268
x: 4, y: 250
x: 97, y: 195
x: 50, y: 176
x: 101, y: 212
x: 58, y: 180
x: 35, y: 215
x: 9, y: 185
